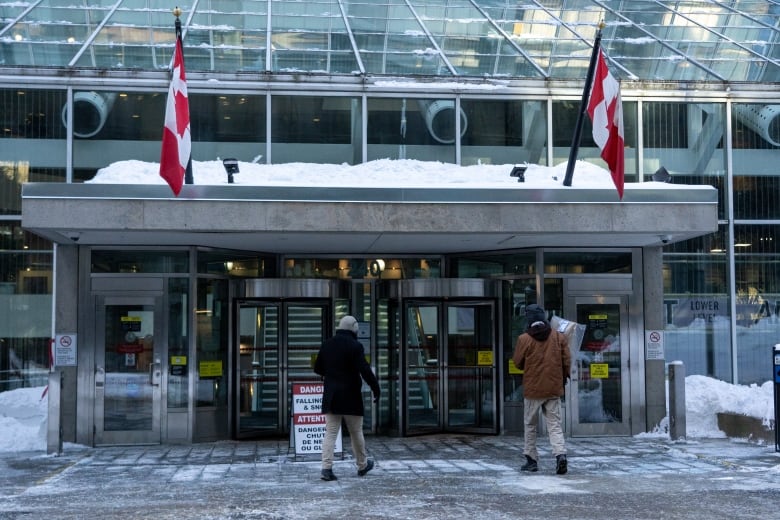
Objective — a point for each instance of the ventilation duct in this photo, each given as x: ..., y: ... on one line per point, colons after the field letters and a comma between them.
x: 440, y: 120
x: 762, y: 119
x: 90, y: 110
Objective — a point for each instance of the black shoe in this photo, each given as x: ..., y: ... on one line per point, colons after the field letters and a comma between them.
x: 369, y: 467
x: 561, y: 466
x: 530, y: 465
x: 327, y: 475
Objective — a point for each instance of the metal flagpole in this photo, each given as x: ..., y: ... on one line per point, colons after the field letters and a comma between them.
x: 575, y: 142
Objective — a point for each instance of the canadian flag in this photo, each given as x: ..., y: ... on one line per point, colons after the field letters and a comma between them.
x: 606, y: 111
x: 176, y: 142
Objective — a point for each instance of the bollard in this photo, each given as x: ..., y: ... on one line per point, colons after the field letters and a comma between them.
x: 776, y: 378
x: 676, y: 400
x: 54, y: 420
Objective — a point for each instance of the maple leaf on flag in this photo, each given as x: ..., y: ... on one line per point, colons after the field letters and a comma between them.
x: 605, y: 109
x: 176, y: 142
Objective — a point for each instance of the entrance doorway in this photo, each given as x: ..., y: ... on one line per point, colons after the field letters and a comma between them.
x: 449, y: 381
x: 600, y: 395
x: 128, y: 370
x: 279, y: 328
x: 277, y: 345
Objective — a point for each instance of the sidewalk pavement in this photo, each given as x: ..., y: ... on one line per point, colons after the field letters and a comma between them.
x: 428, y: 477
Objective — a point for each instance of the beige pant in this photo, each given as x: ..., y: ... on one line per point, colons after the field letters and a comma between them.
x: 355, y: 427
x: 551, y: 408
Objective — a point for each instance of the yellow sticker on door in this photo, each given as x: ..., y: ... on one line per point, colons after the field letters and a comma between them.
x: 599, y: 370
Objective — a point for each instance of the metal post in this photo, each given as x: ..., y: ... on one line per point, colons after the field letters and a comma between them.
x: 776, y: 371
x: 54, y: 421
x: 677, y: 424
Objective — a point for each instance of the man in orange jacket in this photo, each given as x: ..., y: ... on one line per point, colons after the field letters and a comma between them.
x: 543, y: 356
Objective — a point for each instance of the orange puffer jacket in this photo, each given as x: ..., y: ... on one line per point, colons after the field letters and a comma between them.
x: 543, y: 355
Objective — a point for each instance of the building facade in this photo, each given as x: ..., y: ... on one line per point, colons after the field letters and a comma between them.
x: 457, y: 82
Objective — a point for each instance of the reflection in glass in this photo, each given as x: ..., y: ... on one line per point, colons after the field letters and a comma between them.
x: 599, y: 361
x: 411, y: 128
x: 258, y: 368
x: 422, y: 366
x: 128, y: 398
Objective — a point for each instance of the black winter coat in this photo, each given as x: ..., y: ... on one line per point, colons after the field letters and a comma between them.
x: 342, y: 362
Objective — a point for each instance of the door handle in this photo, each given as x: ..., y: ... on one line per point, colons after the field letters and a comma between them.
x: 155, y: 374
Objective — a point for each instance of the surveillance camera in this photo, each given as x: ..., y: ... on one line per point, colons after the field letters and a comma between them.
x: 74, y: 236
x: 665, y: 239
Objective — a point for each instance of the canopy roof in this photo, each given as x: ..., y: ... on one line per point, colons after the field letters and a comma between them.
x: 684, y: 40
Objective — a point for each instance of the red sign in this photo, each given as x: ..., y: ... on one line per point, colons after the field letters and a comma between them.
x: 129, y: 348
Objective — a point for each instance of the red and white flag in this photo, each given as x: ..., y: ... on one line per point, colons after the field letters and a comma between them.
x: 606, y: 111
x: 176, y: 143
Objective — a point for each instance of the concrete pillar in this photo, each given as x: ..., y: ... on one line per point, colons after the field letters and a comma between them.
x: 655, y: 369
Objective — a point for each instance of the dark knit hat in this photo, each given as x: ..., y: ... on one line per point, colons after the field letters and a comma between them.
x: 534, y: 313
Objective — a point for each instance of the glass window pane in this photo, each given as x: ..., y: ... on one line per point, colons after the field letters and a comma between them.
x: 227, y: 125
x: 422, y: 129
x: 113, y: 126
x: 757, y: 264
x: 504, y: 132
x: 688, y: 140
x: 756, y: 153
x: 697, y: 305
x: 26, y: 298
x: 178, y: 342
x: 323, y: 129
x: 32, y: 142
x: 128, y: 261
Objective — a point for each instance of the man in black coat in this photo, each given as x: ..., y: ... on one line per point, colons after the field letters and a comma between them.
x: 342, y: 363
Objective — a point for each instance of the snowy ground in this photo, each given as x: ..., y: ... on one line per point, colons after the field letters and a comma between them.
x: 23, y: 411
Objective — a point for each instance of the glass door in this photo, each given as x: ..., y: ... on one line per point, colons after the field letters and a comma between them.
x: 277, y: 345
x: 259, y: 368
x: 128, y: 370
x: 422, y: 377
x: 450, y: 361
x: 470, y: 367
x: 600, y: 397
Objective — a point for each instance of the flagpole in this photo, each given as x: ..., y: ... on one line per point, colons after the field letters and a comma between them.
x: 575, y: 142
x: 179, y: 41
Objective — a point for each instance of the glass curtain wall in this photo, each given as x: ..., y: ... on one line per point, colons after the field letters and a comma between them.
x: 756, y: 246
x: 688, y: 140
x: 32, y: 149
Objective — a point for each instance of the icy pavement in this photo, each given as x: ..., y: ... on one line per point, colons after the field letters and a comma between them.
x: 430, y: 477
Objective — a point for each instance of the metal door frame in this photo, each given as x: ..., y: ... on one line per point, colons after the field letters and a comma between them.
x: 158, y: 372
x: 280, y: 293
x: 575, y: 428
x: 444, y: 293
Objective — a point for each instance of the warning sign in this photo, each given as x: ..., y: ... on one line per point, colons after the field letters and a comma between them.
x: 64, y: 347
x: 308, y: 428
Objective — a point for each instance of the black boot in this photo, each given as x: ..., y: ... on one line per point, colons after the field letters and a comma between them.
x: 530, y: 465
x: 561, y: 466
